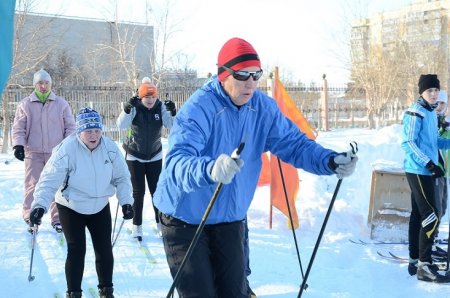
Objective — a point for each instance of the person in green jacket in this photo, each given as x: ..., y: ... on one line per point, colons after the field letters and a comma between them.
x: 444, y: 154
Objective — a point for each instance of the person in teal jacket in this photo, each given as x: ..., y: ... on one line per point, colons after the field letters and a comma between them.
x: 421, y: 141
x: 226, y: 111
x: 443, y: 126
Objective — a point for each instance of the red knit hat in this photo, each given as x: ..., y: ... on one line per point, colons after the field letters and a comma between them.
x: 147, y: 89
x: 236, y: 54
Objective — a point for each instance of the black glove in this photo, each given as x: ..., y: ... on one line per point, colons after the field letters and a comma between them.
x: 19, y: 152
x: 132, y: 102
x: 36, y: 216
x: 436, y: 171
x: 127, y: 211
x: 170, y: 106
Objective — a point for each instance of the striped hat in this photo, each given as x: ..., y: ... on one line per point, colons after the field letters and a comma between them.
x: 88, y: 118
x: 236, y: 54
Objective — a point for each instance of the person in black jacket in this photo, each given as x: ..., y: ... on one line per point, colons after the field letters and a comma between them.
x: 144, y: 115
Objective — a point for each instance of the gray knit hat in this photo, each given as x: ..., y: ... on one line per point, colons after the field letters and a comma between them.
x: 41, y: 75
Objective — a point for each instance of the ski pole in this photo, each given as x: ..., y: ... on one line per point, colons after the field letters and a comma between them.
x: 194, y: 241
x: 8, y: 161
x: 290, y: 219
x: 448, y: 215
x: 115, y: 221
x: 33, y: 241
x: 322, y: 229
x: 118, y: 232
x: 117, y: 209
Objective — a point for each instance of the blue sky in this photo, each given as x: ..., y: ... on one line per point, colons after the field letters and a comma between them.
x: 304, y: 38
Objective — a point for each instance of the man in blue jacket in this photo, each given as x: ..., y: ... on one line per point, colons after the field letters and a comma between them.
x: 420, y: 141
x: 227, y: 111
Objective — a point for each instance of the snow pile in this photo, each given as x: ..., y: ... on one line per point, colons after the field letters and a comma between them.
x: 341, y: 268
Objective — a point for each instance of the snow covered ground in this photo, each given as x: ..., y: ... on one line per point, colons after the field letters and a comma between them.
x: 341, y: 269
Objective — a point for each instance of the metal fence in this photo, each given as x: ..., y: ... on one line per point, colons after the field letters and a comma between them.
x: 108, y: 101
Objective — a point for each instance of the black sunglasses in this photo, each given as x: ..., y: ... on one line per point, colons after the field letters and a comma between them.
x: 244, y: 75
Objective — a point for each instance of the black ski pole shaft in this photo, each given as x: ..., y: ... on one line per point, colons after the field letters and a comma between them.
x: 319, y: 238
x: 354, y: 146
x: 447, y: 181
x: 290, y: 218
x: 117, y: 209
x: 115, y: 221
x: 199, y: 230
x: 118, y: 232
x: 33, y: 241
x: 8, y: 161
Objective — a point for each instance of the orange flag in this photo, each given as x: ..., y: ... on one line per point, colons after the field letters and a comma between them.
x: 290, y: 173
x: 264, y: 177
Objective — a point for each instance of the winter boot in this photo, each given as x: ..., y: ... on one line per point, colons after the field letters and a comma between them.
x: 430, y: 272
x: 438, y: 252
x: 73, y: 294
x: 106, y: 292
x: 412, y: 266
x: 57, y: 228
x: 136, y: 232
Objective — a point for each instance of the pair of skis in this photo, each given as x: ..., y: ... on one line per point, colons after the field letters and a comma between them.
x: 362, y: 242
x: 441, y: 263
x: 144, y: 248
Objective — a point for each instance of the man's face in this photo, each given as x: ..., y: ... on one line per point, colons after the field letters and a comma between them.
x: 240, y: 92
x: 43, y: 86
x: 431, y: 95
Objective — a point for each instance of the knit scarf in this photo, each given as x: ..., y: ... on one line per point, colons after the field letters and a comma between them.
x: 42, y: 96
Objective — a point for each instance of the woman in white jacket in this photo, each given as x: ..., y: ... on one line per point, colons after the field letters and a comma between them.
x: 84, y: 171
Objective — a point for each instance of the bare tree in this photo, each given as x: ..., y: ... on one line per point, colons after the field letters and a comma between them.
x: 122, y: 52
x: 389, y: 53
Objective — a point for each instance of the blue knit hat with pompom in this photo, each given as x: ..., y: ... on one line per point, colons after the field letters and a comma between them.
x: 88, y: 118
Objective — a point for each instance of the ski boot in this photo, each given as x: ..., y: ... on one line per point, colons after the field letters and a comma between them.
x: 57, y: 228
x: 430, y: 272
x: 73, y: 294
x: 412, y: 266
x: 106, y: 292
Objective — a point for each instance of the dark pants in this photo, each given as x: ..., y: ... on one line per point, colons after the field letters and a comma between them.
x: 248, y: 271
x: 424, y: 220
x: 74, y: 227
x: 139, y: 171
x: 216, y: 266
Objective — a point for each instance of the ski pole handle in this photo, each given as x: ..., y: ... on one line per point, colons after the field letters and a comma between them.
x: 354, y: 146
x: 237, y: 152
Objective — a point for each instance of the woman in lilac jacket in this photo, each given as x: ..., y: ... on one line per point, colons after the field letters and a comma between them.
x: 42, y: 121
